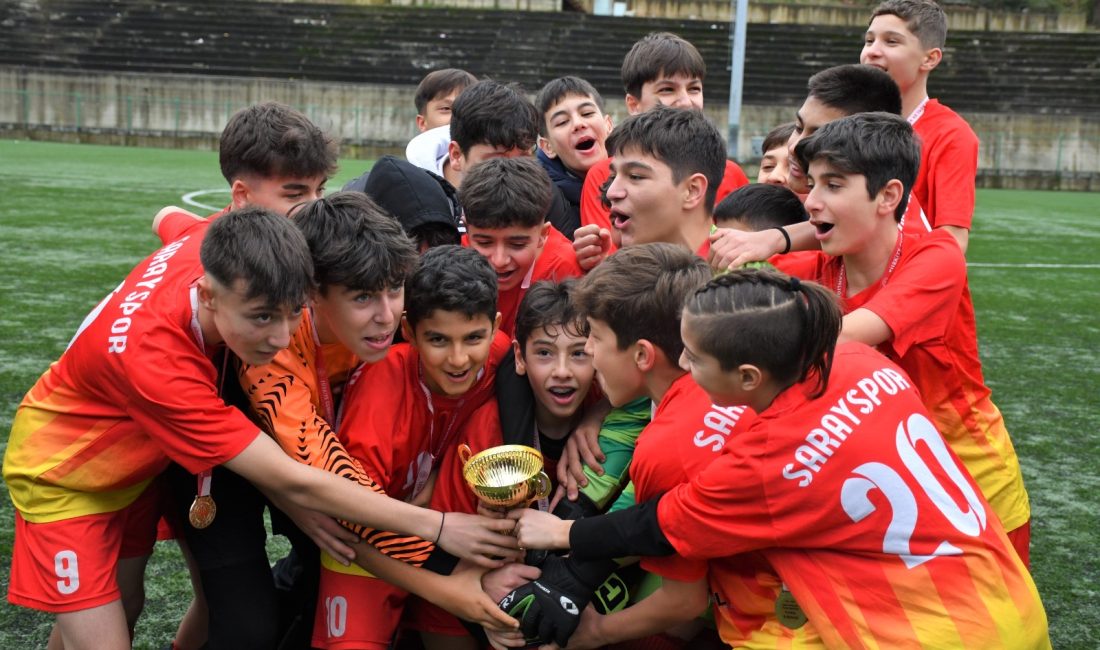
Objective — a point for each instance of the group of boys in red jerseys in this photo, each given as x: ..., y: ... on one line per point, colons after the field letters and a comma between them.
x: 812, y: 454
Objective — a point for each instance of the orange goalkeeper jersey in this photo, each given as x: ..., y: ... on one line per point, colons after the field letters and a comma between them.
x: 287, y: 397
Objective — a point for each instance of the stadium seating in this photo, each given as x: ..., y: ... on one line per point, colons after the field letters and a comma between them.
x: 982, y: 71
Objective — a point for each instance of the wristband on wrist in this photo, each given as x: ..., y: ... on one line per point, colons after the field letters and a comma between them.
x: 786, y: 238
x: 439, y: 535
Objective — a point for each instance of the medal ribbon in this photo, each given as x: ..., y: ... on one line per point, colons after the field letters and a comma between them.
x: 324, y: 388
x: 842, y: 277
x: 917, y: 112
x: 203, y: 481
x: 205, y: 478
x: 544, y: 502
x: 433, y: 449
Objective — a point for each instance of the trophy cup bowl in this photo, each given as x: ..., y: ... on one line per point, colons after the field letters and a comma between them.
x: 505, y: 476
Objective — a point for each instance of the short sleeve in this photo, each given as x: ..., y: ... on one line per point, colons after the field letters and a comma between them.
x: 920, y: 300
x: 175, y: 401
x: 177, y: 224
x: 950, y: 168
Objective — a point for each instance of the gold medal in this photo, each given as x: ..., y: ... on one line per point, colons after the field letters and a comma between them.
x: 788, y: 612
x: 202, y: 511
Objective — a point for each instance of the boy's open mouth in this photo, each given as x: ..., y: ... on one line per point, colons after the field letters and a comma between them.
x: 457, y: 376
x: 562, y: 394
x: 823, y: 227
x: 586, y: 143
x: 381, y: 341
x: 619, y: 220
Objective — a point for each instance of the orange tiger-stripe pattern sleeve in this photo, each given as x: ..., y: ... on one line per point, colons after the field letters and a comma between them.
x: 285, y: 397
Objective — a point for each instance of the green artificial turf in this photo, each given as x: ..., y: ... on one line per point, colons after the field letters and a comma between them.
x: 75, y: 218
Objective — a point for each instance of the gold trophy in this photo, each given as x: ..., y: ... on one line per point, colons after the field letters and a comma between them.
x: 505, y: 476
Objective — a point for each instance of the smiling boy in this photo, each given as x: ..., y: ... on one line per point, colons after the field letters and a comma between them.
x: 133, y: 384
x: 431, y: 387
x: 833, y: 93
x: 906, y: 39
x: 908, y: 295
x: 572, y: 133
x: 506, y: 201
x: 549, y: 349
x: 661, y: 69
x: 273, y: 157
x: 631, y: 302
x: 361, y: 259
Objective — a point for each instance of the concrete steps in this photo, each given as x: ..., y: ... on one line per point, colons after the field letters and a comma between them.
x: 982, y: 71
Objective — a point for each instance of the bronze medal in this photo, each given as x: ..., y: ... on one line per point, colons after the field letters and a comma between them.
x: 202, y: 511
x: 788, y: 612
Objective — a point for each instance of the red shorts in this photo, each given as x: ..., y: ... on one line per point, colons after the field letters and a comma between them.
x: 1021, y: 541
x: 70, y: 565
x: 422, y: 616
x: 356, y: 611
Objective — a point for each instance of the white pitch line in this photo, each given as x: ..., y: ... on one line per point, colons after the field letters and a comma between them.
x: 189, y: 199
x: 1030, y: 265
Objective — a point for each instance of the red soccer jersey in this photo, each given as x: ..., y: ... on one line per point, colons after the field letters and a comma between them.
x: 397, y: 428
x: 867, y: 516
x: 480, y: 432
x: 948, y: 166
x: 915, y: 221
x: 684, y: 436
x: 134, y: 389
x: 926, y: 304
x: 556, y: 262
x: 593, y: 211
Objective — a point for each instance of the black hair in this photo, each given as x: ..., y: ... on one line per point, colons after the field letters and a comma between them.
x: 354, y: 243
x: 440, y: 83
x: 924, y: 18
x: 558, y: 89
x: 451, y: 278
x: 686, y: 141
x: 495, y: 114
x: 549, y: 304
x: 880, y: 146
x: 639, y: 293
x: 270, y: 140
x: 777, y: 137
x: 264, y: 250
x: 504, y: 192
x: 779, y: 324
x: 761, y: 206
x: 855, y: 88
x: 657, y: 54
x: 430, y: 235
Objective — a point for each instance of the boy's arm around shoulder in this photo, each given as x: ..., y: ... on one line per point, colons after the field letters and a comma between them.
x: 172, y: 221
x: 731, y: 249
